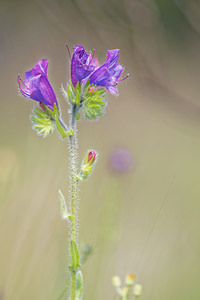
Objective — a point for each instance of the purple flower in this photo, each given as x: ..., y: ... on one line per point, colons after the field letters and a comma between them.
x: 36, y: 85
x: 121, y: 160
x: 84, y: 67
x: 82, y: 64
x: 109, y: 73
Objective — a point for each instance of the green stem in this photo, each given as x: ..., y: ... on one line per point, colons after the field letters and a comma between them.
x: 74, y: 190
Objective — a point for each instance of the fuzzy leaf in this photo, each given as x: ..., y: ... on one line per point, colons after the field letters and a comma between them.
x: 42, y: 121
x: 63, y: 206
x: 94, y: 103
x: 74, y: 256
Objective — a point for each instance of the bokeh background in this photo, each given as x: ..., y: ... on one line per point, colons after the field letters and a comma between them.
x: 140, y: 214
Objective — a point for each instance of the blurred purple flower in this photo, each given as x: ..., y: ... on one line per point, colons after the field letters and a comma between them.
x: 121, y: 160
x: 84, y: 66
x: 36, y: 85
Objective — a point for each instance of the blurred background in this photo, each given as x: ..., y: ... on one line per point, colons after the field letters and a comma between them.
x: 140, y: 208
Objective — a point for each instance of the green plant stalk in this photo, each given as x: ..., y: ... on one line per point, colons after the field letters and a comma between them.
x: 74, y: 191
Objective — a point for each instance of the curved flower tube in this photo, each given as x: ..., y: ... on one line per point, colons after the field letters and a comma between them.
x: 36, y: 85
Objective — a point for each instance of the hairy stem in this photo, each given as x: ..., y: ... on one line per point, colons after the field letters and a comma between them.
x: 74, y: 191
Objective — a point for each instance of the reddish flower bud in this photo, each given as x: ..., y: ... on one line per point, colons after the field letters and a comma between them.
x: 91, y: 156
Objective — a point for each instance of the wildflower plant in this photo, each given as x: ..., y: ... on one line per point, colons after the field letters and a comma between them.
x: 86, y: 94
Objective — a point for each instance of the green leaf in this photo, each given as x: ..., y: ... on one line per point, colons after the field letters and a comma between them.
x: 74, y: 256
x: 42, y: 121
x: 93, y: 102
x: 79, y: 285
x: 63, y: 206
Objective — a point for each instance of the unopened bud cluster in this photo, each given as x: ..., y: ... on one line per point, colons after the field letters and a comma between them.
x: 129, y: 290
x: 87, y: 165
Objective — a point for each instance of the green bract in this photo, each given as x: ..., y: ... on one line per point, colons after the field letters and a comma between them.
x: 63, y: 207
x: 42, y: 122
x: 74, y: 256
x: 72, y: 95
x: 93, y: 102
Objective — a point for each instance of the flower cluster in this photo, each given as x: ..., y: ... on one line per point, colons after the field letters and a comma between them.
x: 125, y: 291
x: 84, y: 68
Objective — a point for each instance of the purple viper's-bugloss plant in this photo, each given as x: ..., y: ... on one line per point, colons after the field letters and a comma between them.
x: 85, y: 93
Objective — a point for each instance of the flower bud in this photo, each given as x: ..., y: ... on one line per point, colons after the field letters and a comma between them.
x: 137, y: 290
x: 129, y: 280
x: 116, y: 281
x: 124, y: 293
x: 87, y: 165
x: 91, y: 156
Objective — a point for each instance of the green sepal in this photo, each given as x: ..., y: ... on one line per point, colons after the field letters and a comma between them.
x: 94, y: 102
x: 87, y: 167
x: 65, y: 93
x: 79, y: 286
x: 52, y: 113
x: 43, y: 123
x: 74, y: 257
x: 63, y: 207
x: 86, y: 87
x: 64, y: 133
x: 72, y: 94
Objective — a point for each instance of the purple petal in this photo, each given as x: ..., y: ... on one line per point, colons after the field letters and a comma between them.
x: 112, y: 89
x: 112, y: 55
x: 36, y: 85
x: 116, y: 74
x: 100, y: 76
x: 82, y: 64
x: 39, y: 69
x: 47, y: 91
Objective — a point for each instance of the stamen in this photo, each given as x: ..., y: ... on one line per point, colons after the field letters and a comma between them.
x: 68, y: 52
x: 124, y: 78
x: 93, y: 53
x: 23, y: 88
x: 91, y: 59
x: 20, y: 81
